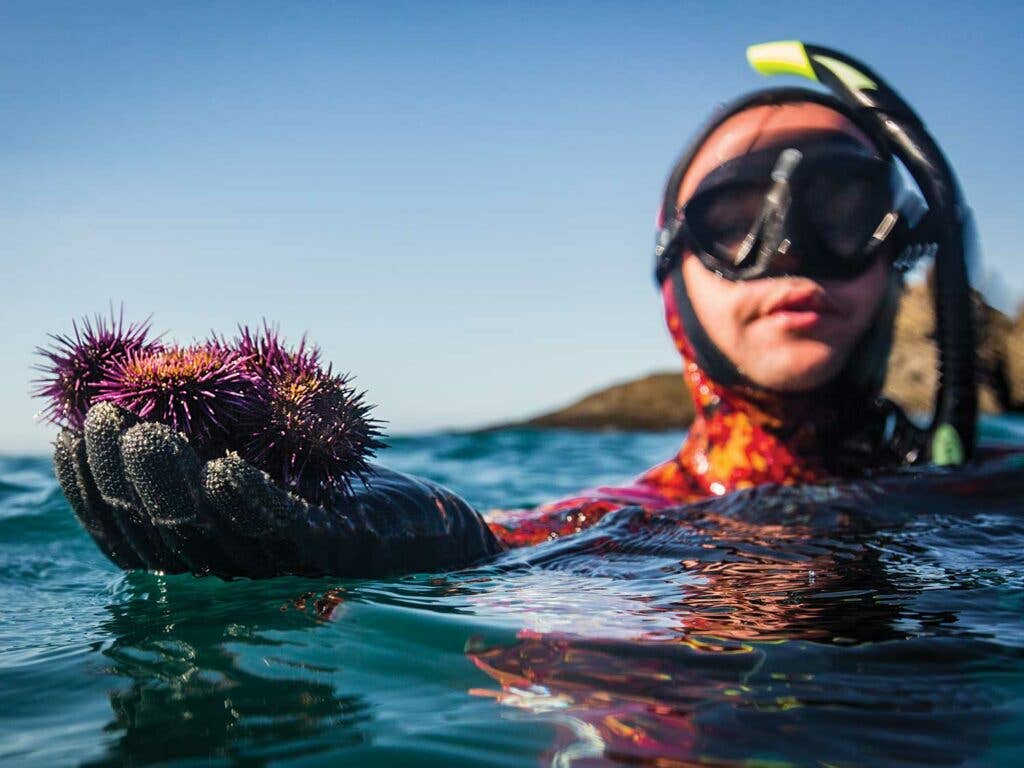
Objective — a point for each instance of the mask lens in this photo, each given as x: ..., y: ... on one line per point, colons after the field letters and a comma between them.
x: 817, y: 219
x: 720, y: 219
x: 844, y: 207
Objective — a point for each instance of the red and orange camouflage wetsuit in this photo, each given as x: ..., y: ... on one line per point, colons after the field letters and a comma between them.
x: 739, y: 438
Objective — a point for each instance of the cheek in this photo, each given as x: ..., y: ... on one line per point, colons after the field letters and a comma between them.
x: 715, y: 299
x: 727, y: 312
x: 717, y: 303
x: 861, y: 297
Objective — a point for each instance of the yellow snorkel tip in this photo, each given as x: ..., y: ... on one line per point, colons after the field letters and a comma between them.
x: 791, y: 57
x: 784, y: 57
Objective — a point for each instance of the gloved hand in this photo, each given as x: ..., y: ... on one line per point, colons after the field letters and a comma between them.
x: 149, y: 502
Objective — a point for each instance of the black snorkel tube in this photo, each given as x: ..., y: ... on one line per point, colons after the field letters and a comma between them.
x: 947, y: 226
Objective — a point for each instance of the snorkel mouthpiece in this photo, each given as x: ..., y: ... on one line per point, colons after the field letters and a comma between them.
x: 948, y: 222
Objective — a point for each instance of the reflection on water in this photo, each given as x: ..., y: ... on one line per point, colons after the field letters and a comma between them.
x: 769, y: 624
x: 870, y: 623
x: 690, y: 702
x: 186, y: 678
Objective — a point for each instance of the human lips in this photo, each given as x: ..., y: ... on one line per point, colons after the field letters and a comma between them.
x: 801, y: 307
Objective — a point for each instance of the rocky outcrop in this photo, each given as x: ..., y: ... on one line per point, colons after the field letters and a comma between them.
x: 1015, y: 361
x: 660, y: 402
x: 656, y: 402
x: 913, y: 365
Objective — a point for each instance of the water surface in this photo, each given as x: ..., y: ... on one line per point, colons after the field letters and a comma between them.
x: 847, y: 625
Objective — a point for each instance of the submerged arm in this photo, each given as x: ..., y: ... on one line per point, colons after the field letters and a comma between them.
x: 523, y: 528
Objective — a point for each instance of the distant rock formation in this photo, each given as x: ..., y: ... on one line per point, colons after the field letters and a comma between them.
x: 913, y: 365
x: 659, y: 401
x: 650, y: 404
x: 1015, y: 361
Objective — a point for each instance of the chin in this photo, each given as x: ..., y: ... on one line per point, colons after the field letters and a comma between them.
x: 797, y: 366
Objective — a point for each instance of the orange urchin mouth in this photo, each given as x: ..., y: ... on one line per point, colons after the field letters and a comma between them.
x: 201, y: 390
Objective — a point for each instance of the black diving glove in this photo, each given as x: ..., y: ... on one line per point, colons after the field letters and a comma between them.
x: 149, y: 502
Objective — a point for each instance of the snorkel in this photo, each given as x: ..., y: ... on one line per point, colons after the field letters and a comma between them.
x: 947, y: 224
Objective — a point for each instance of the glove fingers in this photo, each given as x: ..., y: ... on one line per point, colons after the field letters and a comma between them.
x: 166, y: 474
x: 294, y: 536
x: 104, y: 426
x: 98, y: 519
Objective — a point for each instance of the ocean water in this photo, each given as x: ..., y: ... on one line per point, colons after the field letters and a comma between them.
x: 859, y: 624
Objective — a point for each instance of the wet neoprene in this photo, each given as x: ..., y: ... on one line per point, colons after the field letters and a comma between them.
x: 149, y: 502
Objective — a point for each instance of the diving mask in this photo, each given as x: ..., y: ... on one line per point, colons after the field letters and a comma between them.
x: 823, y: 208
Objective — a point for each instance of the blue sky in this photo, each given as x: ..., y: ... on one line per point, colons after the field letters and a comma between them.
x: 456, y: 201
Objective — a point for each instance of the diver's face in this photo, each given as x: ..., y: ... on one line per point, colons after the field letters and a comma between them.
x: 788, y: 334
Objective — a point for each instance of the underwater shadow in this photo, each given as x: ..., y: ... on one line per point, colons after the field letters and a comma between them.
x: 210, y: 678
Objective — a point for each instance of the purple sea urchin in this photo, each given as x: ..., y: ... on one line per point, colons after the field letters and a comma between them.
x: 315, y: 434
x: 77, y: 364
x: 276, y: 405
x: 201, y: 390
x: 266, y: 353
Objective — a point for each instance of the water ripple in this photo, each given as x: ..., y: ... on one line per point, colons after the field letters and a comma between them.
x: 864, y: 623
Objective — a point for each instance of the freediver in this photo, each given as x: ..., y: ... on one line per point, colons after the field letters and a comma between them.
x: 784, y: 235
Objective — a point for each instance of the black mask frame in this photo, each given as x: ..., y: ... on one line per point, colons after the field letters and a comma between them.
x: 822, y: 211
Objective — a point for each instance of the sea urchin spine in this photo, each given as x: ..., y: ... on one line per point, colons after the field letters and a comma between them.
x: 201, y: 391
x: 315, y: 434
x: 267, y: 355
x: 77, y: 364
